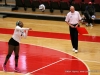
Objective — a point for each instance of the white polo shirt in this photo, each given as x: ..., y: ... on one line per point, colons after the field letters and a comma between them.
x: 19, y: 32
x: 73, y: 18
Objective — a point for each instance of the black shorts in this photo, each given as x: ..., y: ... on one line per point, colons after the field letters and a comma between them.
x: 13, y: 42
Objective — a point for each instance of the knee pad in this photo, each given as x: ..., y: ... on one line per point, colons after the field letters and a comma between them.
x: 17, y: 56
x: 8, y: 56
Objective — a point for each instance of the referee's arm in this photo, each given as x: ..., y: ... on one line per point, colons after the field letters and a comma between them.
x: 67, y: 21
x: 70, y: 24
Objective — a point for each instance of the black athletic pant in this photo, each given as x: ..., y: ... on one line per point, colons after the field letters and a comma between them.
x: 88, y: 17
x: 74, y: 37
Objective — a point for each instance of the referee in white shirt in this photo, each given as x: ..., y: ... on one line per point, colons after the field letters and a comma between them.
x: 73, y: 20
x: 13, y: 44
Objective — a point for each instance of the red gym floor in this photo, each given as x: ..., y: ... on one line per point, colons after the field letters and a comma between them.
x: 54, y: 35
x: 43, y: 61
x: 38, y: 60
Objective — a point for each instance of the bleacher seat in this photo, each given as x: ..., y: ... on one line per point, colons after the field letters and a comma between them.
x: 86, y: 1
x: 46, y: 3
x: 83, y: 7
x: 64, y: 5
x: 78, y: 1
x: 55, y: 4
x: 92, y: 1
x: 77, y: 4
x: 97, y: 1
x: 20, y: 3
x: 35, y: 4
x: 96, y: 4
x: 28, y: 3
x: 82, y: 1
x: 65, y: 1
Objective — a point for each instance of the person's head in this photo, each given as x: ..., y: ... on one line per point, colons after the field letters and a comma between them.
x: 72, y: 9
x: 19, y: 23
x: 89, y: 3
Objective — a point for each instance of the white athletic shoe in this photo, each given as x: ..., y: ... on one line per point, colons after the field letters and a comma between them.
x: 73, y: 49
x: 76, y: 51
x: 87, y: 24
x: 91, y: 24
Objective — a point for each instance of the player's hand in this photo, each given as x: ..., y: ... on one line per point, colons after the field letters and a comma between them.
x: 30, y: 28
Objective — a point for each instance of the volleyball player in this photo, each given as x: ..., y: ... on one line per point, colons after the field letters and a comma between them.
x: 13, y: 44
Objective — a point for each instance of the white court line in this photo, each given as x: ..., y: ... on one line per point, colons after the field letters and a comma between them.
x: 68, y: 59
x: 92, y: 61
x: 63, y: 58
x: 83, y: 60
x: 46, y: 66
x: 56, y: 63
x: 39, y: 24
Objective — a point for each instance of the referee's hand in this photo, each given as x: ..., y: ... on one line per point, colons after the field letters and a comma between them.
x: 72, y: 26
x: 76, y: 26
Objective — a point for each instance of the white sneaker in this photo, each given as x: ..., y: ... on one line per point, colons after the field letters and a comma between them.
x: 91, y: 24
x: 87, y: 24
x: 73, y: 49
x: 76, y: 51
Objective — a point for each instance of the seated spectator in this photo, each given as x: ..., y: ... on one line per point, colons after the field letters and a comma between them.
x: 89, y: 13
